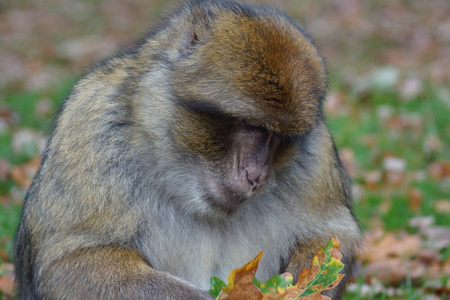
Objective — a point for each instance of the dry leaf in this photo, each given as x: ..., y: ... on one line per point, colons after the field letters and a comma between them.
x: 240, y: 282
x: 23, y: 174
x: 439, y: 170
x: 347, y: 156
x: 442, y: 206
x: 373, y: 179
x: 7, y: 284
x: 415, y: 199
x: 390, y: 271
x: 394, y: 164
x: 5, y: 168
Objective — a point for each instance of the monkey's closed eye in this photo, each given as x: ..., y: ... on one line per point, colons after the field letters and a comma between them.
x: 273, y: 100
x: 194, y: 39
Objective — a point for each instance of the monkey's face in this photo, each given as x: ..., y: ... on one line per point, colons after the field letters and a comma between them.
x: 238, y: 158
x: 244, y: 85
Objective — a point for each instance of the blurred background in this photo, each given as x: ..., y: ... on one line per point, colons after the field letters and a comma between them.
x: 388, y: 107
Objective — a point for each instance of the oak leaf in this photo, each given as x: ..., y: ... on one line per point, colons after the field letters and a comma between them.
x: 321, y: 276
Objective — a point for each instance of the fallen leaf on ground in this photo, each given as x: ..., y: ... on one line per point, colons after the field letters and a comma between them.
x: 23, y: 174
x: 442, y: 206
x: 7, y: 281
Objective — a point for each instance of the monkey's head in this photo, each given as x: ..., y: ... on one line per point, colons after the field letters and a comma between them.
x: 247, y: 84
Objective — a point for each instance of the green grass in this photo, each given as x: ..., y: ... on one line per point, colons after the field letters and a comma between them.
x: 25, y: 115
x: 351, y: 130
x: 404, y: 292
x: 24, y: 106
x: 24, y: 110
x: 9, y: 219
x: 433, y: 191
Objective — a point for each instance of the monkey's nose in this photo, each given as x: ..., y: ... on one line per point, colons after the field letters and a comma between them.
x: 256, y: 178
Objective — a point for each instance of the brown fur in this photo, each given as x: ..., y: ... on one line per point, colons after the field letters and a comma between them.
x: 183, y: 159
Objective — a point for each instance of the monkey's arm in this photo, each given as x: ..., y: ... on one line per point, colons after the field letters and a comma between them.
x: 111, y: 273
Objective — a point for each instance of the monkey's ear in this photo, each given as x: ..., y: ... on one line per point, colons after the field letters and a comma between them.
x: 199, y: 20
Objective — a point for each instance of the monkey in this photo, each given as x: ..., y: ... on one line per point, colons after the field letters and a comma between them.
x: 184, y: 157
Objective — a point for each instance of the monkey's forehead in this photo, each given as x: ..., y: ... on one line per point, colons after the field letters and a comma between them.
x: 253, y: 64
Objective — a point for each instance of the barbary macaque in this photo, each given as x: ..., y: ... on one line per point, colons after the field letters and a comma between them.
x: 183, y: 159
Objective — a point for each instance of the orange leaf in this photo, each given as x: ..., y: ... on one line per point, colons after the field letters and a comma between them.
x: 240, y: 282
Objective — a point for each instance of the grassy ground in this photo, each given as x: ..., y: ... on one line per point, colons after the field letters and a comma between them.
x: 388, y: 108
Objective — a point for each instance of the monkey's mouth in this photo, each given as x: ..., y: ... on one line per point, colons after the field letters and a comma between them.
x: 222, y: 196
x: 233, y: 196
